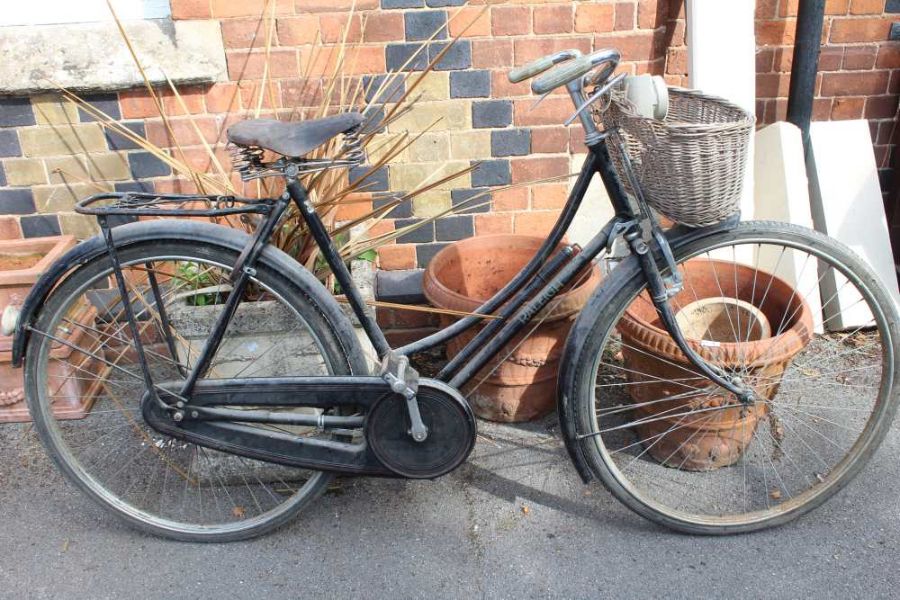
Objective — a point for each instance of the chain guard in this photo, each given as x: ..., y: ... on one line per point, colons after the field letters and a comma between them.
x: 451, y: 432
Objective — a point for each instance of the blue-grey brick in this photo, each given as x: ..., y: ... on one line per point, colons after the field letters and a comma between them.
x: 9, y: 143
x: 474, y: 200
x: 895, y: 32
x: 39, y: 226
x: 374, y: 122
x: 425, y: 252
x: 459, y: 56
x: 492, y: 113
x: 106, y: 103
x: 16, y: 201
x: 145, y: 164
x: 893, y: 6
x: 403, y: 286
x: 470, y: 84
x: 402, y: 3
x: 439, y: 3
x: 396, y: 56
x: 491, y: 172
x: 16, y: 112
x: 2, y: 177
x: 422, y: 24
x: 454, y: 227
x: 379, y: 92
x: 510, y: 142
x: 116, y: 141
x: 376, y: 181
x: 423, y: 233
x: 403, y: 210
x: 141, y: 187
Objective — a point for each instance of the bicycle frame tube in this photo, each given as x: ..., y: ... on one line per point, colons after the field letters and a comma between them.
x: 590, y: 166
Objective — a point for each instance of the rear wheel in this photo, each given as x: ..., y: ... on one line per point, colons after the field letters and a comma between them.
x: 795, y: 315
x: 84, y: 387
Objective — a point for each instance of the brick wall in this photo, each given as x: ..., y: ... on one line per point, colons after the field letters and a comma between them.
x: 53, y: 154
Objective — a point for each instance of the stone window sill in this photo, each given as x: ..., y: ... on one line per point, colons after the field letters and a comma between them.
x: 93, y: 56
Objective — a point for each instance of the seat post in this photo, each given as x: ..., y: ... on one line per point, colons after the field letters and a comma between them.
x: 333, y: 258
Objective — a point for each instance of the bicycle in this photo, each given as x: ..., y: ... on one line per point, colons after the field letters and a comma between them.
x: 222, y: 439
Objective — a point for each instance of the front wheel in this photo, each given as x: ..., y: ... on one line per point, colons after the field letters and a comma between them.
x: 793, y: 314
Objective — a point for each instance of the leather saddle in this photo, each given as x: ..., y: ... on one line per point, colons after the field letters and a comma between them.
x: 293, y: 139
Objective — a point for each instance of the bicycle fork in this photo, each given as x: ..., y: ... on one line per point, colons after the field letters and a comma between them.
x: 662, y: 288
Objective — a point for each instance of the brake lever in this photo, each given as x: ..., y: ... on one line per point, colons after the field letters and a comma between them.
x: 594, y: 97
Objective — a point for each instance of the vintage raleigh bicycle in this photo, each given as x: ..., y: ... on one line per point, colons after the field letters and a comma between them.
x: 199, y: 431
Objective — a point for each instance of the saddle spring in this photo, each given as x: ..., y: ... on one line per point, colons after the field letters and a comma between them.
x: 248, y: 160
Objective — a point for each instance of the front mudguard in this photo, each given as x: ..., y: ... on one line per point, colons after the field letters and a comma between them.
x: 574, y: 352
x: 181, y: 230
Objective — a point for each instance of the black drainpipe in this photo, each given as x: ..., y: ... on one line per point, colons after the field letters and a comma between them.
x: 805, y: 66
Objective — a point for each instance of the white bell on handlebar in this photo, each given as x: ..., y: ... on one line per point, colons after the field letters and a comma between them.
x: 649, y: 94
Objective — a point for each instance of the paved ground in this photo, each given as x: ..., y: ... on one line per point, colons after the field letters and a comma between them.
x: 515, y: 522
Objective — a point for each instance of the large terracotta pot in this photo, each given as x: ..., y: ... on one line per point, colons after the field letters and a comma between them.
x: 70, y: 375
x: 709, y: 439
x: 465, y: 274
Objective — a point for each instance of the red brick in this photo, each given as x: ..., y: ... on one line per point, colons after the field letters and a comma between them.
x: 775, y: 33
x: 137, y: 104
x: 535, y: 169
x: 510, y: 199
x: 772, y: 85
x: 295, y: 31
x: 554, y: 110
x: 250, y: 92
x: 492, y: 53
x: 223, y: 9
x: 549, y: 196
x: 624, y: 16
x: 847, y: 108
x: 651, y: 14
x: 888, y: 57
x: 765, y: 59
x: 493, y: 223
x: 502, y: 88
x: 859, y: 58
x: 855, y: 84
x: 379, y: 228
x: 223, y: 98
x: 383, y: 27
x: 9, y: 228
x: 470, y: 21
x: 788, y: 8
x: 822, y: 109
x: 549, y: 140
x: 644, y: 45
x: 301, y: 92
x: 881, y: 107
x: 861, y: 30
x: 766, y: 9
x: 866, y: 7
x: 392, y: 257
x: 354, y: 206
x: 830, y: 59
x: 528, y: 49
x: 510, y: 20
x: 535, y: 223
x: 556, y: 18
x: 358, y: 60
x: 188, y: 131
x: 244, y: 33
x: 594, y: 18
x: 190, y: 9
x: 251, y: 65
x: 302, y: 6
x: 334, y: 27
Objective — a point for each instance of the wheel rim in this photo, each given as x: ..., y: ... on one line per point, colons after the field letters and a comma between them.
x: 150, y: 478
x: 798, y: 451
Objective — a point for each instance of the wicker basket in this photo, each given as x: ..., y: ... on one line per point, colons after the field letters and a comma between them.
x: 691, y: 165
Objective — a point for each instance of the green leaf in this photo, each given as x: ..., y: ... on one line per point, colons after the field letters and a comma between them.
x: 369, y: 255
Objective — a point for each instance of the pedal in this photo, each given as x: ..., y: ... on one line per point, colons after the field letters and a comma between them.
x: 404, y: 380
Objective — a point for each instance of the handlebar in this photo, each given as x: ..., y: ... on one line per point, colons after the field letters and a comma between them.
x: 539, y: 65
x: 579, y: 67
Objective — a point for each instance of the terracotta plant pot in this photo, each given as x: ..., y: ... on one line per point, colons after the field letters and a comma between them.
x: 465, y: 274
x: 709, y: 439
x: 21, y: 263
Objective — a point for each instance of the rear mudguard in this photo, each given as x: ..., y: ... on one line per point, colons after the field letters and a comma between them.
x: 573, y: 354
x: 180, y: 230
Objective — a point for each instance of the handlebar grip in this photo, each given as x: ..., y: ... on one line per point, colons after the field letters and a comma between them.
x: 562, y: 75
x: 535, y: 67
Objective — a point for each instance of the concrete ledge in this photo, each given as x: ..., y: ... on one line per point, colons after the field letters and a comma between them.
x: 402, y: 287
x: 94, y: 57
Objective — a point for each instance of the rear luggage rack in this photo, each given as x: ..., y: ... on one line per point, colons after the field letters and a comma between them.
x: 140, y: 204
